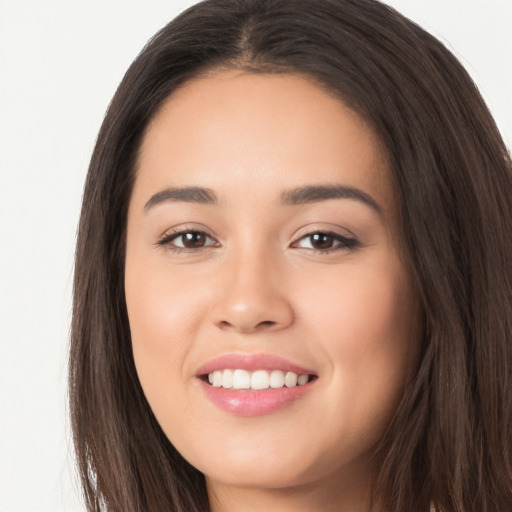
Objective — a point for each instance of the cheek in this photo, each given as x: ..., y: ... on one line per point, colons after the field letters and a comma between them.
x: 365, y: 307
x: 164, y: 314
x: 367, y: 325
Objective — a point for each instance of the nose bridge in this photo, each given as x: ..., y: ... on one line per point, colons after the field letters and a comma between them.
x: 251, y: 297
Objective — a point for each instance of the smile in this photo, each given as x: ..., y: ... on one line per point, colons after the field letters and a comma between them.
x: 257, y: 380
x: 254, y: 384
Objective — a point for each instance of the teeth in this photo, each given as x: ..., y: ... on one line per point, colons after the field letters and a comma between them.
x: 290, y: 379
x: 257, y: 380
x: 277, y: 379
x: 260, y: 380
x: 227, y: 379
x: 302, y: 379
x: 217, y: 379
x: 241, y: 379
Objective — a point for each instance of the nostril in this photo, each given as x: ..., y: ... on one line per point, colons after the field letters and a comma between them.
x: 225, y: 324
x: 266, y: 323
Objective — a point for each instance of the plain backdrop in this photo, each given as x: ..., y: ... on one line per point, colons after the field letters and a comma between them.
x: 60, y: 63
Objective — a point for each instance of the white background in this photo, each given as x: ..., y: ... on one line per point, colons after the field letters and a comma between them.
x: 60, y: 62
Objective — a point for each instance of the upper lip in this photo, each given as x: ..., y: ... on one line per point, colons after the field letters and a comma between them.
x: 252, y: 362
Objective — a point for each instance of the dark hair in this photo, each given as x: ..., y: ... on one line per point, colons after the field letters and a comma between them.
x: 449, y: 444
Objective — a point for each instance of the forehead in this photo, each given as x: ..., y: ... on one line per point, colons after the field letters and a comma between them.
x: 242, y: 132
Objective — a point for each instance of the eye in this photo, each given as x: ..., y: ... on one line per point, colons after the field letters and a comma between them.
x: 325, y: 242
x: 188, y: 240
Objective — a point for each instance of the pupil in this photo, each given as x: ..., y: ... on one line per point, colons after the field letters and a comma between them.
x: 322, y: 241
x: 193, y: 240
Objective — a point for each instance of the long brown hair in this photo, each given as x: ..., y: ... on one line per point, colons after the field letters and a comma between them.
x: 449, y: 444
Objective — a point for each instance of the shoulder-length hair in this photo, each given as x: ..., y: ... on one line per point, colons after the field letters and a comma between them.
x: 449, y: 444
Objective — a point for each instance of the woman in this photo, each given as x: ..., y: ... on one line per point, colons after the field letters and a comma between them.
x: 292, y: 283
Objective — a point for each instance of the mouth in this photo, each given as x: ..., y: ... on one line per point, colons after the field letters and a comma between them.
x: 258, y: 380
x: 254, y: 384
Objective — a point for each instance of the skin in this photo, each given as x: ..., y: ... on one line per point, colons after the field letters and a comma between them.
x: 260, y: 285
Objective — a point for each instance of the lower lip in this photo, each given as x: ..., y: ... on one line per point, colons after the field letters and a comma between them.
x: 254, y: 403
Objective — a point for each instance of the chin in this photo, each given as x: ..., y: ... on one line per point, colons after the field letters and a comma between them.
x: 258, y: 474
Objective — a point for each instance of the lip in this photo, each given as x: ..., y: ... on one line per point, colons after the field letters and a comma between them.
x: 252, y: 362
x: 250, y: 402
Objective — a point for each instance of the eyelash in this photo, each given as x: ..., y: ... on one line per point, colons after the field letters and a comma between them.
x: 342, y: 242
x: 168, y: 239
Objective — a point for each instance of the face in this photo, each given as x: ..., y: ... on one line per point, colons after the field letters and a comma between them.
x: 273, y: 323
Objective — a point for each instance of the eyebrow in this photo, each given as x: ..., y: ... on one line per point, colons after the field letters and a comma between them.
x: 184, y: 194
x: 317, y: 193
x: 296, y: 196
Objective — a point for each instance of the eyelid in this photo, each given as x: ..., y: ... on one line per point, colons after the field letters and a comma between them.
x: 332, y: 229
x: 174, y: 232
x: 347, y: 240
x: 186, y: 228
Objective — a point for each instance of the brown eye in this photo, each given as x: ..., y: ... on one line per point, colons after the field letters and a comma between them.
x: 191, y: 240
x: 322, y: 241
x: 325, y: 242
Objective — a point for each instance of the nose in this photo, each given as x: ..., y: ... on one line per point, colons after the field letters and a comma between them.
x: 252, y: 297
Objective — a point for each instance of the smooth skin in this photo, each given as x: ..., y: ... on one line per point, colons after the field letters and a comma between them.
x: 319, y: 282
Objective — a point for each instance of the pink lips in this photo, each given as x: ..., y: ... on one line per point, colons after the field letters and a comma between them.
x: 251, y: 363
x: 250, y: 402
